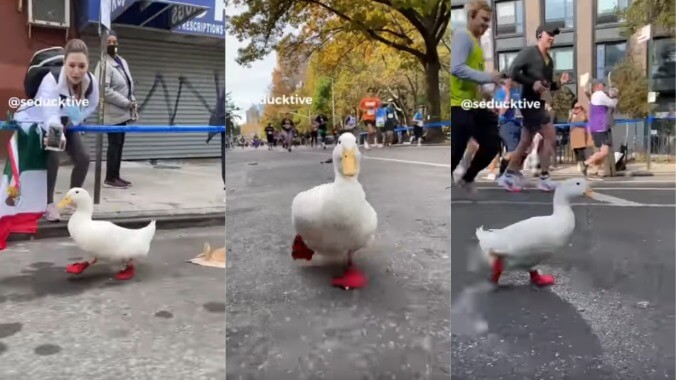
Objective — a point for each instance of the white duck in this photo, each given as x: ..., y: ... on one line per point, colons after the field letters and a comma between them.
x: 102, y: 239
x: 525, y: 244
x: 334, y: 219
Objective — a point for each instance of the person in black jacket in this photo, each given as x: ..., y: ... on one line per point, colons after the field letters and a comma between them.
x: 534, y: 69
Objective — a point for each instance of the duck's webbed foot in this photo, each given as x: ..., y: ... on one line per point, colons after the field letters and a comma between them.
x: 541, y: 279
x: 352, y: 278
x: 78, y: 268
x: 127, y: 273
x: 300, y: 250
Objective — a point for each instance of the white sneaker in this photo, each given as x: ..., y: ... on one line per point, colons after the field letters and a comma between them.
x: 52, y: 213
x: 546, y: 184
x: 490, y: 176
x: 510, y: 182
x: 419, y: 143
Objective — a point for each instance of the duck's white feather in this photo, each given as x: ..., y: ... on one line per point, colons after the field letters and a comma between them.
x: 104, y: 240
x: 528, y: 242
x: 334, y: 218
x: 107, y: 241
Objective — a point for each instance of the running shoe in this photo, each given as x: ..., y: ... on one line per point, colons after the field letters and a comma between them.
x: 546, y: 184
x: 510, y: 182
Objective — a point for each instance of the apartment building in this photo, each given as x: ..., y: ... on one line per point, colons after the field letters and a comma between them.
x: 591, y: 39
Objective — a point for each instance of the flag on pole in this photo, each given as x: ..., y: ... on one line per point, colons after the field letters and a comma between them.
x: 23, y: 188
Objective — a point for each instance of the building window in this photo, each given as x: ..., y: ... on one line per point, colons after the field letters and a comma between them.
x: 458, y: 18
x: 564, y: 61
x: 606, y: 10
x: 505, y: 60
x: 560, y: 13
x: 663, y: 65
x: 509, y: 17
x: 607, y: 56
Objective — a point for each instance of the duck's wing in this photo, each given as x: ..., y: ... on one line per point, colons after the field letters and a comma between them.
x: 307, y: 205
x: 522, y: 236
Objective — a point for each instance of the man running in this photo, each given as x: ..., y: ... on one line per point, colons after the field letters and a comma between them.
x: 270, y: 134
x: 467, y: 65
x: 534, y: 69
x: 322, y: 126
x: 287, y: 131
x: 369, y: 106
x: 510, y: 126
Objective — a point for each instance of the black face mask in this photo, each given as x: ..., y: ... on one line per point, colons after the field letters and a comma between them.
x: 112, y: 49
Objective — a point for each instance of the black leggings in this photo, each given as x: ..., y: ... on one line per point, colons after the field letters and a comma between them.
x: 114, y: 154
x: 580, y: 154
x: 78, y: 154
x: 483, y: 126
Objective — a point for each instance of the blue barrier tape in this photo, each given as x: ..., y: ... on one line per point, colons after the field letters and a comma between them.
x: 136, y: 128
x: 564, y: 125
x: 436, y: 124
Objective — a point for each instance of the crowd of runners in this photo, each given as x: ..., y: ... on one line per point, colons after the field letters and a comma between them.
x: 482, y: 136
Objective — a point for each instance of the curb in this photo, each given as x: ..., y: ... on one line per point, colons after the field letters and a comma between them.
x: 165, y: 222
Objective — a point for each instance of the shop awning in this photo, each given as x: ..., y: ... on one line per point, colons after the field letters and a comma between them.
x: 157, y: 14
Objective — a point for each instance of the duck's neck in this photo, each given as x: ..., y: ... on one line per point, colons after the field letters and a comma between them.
x: 85, y: 211
x: 561, y: 203
x: 341, y: 179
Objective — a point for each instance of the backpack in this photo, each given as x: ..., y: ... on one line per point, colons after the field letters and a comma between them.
x: 43, y: 62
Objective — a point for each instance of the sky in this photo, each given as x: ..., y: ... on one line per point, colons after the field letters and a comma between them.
x: 247, y: 86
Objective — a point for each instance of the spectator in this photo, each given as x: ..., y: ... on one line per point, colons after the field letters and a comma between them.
x: 120, y: 109
x: 580, y: 139
x: 74, y: 81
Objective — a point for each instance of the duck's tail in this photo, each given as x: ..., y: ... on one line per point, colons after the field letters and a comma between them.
x: 486, y: 238
x: 148, y: 231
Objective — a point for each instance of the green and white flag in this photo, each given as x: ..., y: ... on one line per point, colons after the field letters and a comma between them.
x: 23, y: 190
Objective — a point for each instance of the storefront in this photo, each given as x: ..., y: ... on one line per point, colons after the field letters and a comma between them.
x: 176, y: 54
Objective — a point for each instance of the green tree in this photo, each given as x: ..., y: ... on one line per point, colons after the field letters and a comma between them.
x: 630, y: 79
x: 639, y: 13
x: 231, y: 117
x: 415, y: 27
x: 321, y: 101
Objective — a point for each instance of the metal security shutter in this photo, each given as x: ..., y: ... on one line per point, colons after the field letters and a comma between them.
x: 146, y: 58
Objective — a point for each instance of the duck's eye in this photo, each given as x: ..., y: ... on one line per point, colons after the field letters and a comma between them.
x: 77, y: 192
x: 339, y: 141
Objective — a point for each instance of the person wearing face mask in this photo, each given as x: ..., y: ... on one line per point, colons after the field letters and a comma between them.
x: 120, y: 109
x: 67, y: 96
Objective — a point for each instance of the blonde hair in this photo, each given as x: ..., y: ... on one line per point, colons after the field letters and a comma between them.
x: 474, y: 6
x: 76, y: 46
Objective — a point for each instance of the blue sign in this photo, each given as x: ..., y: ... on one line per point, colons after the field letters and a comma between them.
x: 209, y: 23
x: 204, y: 17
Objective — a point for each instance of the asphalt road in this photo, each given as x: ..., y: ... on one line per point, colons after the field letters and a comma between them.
x: 611, y: 313
x: 285, y: 320
x: 166, y: 323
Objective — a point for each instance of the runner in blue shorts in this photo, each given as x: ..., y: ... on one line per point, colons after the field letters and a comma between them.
x: 510, y: 125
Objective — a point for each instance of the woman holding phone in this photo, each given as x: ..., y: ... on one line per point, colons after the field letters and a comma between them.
x: 64, y: 98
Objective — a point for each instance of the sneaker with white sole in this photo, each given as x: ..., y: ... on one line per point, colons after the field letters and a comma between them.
x: 510, y: 182
x: 546, y: 184
x: 52, y: 213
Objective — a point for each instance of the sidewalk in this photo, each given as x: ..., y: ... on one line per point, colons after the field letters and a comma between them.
x: 176, y: 194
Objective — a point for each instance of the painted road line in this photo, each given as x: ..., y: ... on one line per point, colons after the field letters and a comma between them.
x: 599, y: 188
x: 409, y: 162
x: 526, y: 203
x: 614, y: 200
x: 423, y: 163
